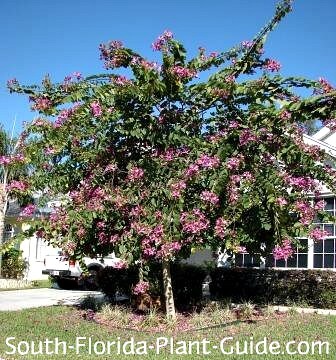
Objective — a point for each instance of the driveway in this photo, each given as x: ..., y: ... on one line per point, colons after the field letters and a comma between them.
x: 33, y: 298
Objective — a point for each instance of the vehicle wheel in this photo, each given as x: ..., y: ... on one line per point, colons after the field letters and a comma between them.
x: 91, y: 280
x: 66, y: 284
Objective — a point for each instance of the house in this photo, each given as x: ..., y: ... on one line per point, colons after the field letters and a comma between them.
x: 34, y: 249
x: 310, y: 255
x: 321, y: 255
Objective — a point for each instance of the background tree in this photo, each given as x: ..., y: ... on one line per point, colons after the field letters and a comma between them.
x: 13, y: 172
x: 153, y: 165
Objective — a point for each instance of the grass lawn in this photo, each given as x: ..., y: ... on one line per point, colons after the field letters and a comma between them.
x: 67, y: 323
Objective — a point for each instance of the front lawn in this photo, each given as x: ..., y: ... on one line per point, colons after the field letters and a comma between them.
x: 68, y: 323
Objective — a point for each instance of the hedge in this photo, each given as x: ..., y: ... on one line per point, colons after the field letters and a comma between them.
x: 315, y: 288
x: 187, y: 282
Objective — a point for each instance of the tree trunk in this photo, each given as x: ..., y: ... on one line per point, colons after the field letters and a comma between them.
x: 168, y: 290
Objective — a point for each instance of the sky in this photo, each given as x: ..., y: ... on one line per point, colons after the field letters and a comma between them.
x: 58, y: 37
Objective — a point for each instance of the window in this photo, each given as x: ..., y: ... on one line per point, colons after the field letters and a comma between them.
x: 9, y: 232
x: 247, y: 260
x: 325, y: 250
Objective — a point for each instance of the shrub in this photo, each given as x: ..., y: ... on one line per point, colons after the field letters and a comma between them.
x: 112, y: 281
x: 268, y: 286
x: 187, y: 282
x: 13, y: 265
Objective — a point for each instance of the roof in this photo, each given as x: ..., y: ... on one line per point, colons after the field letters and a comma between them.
x: 14, y: 209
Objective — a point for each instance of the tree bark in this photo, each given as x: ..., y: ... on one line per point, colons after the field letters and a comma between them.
x: 168, y: 290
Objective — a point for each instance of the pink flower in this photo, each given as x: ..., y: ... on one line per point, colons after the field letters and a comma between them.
x: 120, y: 264
x: 326, y: 86
x: 319, y: 205
x: 29, y: 210
x: 246, y: 137
x: 233, y: 163
x: 317, y: 234
x: 285, y: 115
x: 192, y: 170
x: 241, y: 250
x: 49, y: 150
x: 17, y: 185
x: 220, y: 227
x: 281, y: 201
x: 121, y: 80
x: 208, y: 162
x: 184, y: 73
x: 110, y: 168
x: 96, y: 109
x: 41, y: 103
x: 177, y: 188
x: 5, y: 160
x: 168, y: 249
x: 210, y: 197
x: 69, y: 248
x: 283, y: 251
x: 194, y: 222
x: 161, y: 41
x: 141, y: 287
x: 135, y: 173
x: 306, y: 211
x: 272, y: 65
x: 81, y: 232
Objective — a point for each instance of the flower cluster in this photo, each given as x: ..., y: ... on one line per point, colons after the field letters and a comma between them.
x: 96, y: 109
x: 192, y: 170
x: 177, y: 188
x: 285, y: 115
x: 65, y: 114
x: 209, y: 196
x: 184, y: 73
x: 148, y: 65
x: 208, y: 162
x: 234, y: 163
x: 135, y: 174
x: 221, y: 227
x: 120, y: 264
x: 161, y: 41
x: 41, y: 103
x: 171, y: 154
x: 113, y: 54
x: 318, y: 234
x: 331, y: 124
x: 306, y: 211
x: 283, y: 251
x: 69, y: 248
x: 272, y: 65
x: 194, y: 222
x: 281, y: 201
x: 11, y: 159
x: 304, y: 183
x: 141, y: 287
x: 246, y: 137
x: 28, y: 210
x: 121, y: 80
x: 326, y: 86
x: 17, y: 185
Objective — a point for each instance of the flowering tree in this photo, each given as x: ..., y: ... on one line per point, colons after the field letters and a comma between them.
x: 152, y: 165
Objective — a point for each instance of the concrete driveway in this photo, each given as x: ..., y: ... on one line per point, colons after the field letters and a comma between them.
x: 33, y: 298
